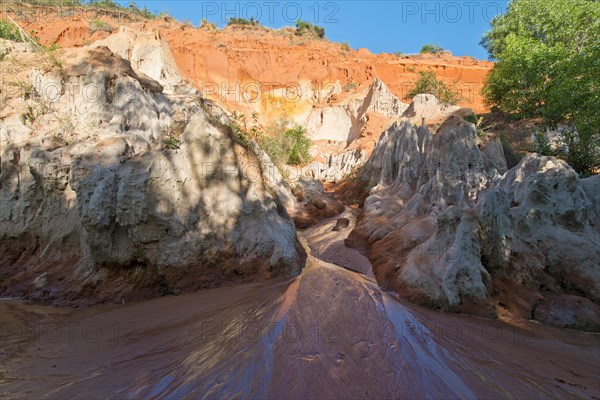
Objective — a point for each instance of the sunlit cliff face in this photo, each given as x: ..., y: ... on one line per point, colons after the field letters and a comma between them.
x: 278, y: 74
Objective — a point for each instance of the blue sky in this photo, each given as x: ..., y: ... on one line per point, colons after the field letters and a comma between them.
x: 381, y: 26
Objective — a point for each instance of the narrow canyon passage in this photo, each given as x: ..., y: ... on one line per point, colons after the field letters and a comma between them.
x: 330, y: 332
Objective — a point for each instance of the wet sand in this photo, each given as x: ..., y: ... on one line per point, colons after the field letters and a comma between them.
x: 329, y: 333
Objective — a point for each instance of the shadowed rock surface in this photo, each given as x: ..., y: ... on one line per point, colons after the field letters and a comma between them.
x: 447, y: 226
x: 131, y: 193
x: 341, y: 224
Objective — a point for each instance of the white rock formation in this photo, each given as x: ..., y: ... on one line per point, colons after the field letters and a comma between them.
x: 344, y: 122
x: 429, y: 107
x: 447, y: 226
x: 148, y: 53
x: 381, y: 100
x: 340, y: 122
x: 334, y: 168
x: 107, y: 210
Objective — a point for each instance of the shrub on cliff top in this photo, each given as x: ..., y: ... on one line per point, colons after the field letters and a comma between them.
x: 131, y: 8
x: 99, y: 25
x: 243, y: 22
x: 306, y: 28
x: 431, y: 48
x: 428, y: 83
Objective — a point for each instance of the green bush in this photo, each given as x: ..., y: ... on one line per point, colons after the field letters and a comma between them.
x: 283, y: 145
x: 431, y: 48
x: 172, y: 143
x: 243, y: 22
x: 286, y: 145
x: 277, y: 148
x: 99, y: 25
x: 428, y: 83
x: 8, y: 31
x: 346, y: 46
x: 306, y: 28
x: 131, y: 8
x: 142, y: 12
x: 299, y: 145
x: 349, y: 86
x: 107, y: 4
x: 205, y: 24
x: 547, y: 54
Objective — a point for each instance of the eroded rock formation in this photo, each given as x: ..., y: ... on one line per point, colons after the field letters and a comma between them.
x: 147, y: 52
x: 131, y: 192
x: 447, y: 226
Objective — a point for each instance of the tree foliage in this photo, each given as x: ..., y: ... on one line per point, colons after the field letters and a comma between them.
x: 428, y: 83
x: 548, y: 65
x: 431, y: 48
x: 243, y: 22
x: 286, y: 145
x: 283, y: 141
x: 306, y: 28
x: 8, y: 31
x: 299, y: 145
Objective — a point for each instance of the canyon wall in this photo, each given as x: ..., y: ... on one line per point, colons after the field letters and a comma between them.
x: 446, y: 225
x: 113, y: 190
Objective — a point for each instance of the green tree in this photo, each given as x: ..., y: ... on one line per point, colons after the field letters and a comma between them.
x: 300, y: 145
x: 431, y: 48
x: 547, y: 54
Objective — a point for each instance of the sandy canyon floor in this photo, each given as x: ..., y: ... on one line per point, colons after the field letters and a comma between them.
x: 328, y: 333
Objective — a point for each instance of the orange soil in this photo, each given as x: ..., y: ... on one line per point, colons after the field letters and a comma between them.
x: 273, y: 59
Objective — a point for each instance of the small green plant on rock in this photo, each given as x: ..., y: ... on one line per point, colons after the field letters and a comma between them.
x: 482, y: 128
x: 31, y: 114
x: 349, y: 86
x: 172, y: 143
x: 25, y: 88
x: 238, y: 132
x: 542, y: 143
